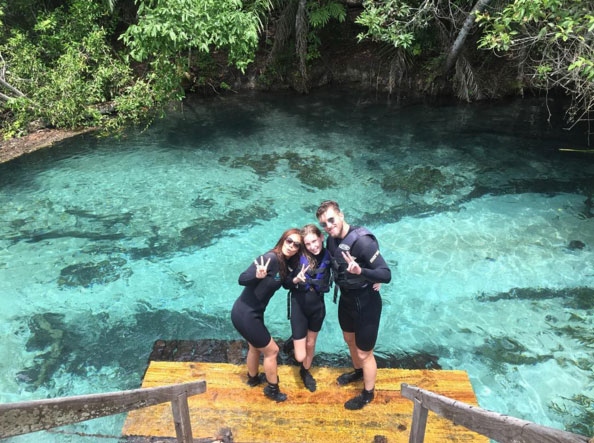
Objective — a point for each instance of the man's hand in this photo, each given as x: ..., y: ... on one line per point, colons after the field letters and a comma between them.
x: 352, y: 266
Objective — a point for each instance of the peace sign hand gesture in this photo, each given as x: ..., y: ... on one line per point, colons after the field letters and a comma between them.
x: 352, y: 266
x: 261, y: 268
x: 300, y: 278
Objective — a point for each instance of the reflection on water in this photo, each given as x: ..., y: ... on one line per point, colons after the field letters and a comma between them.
x: 107, y: 245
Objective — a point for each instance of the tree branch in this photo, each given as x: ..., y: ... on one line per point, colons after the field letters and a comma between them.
x: 11, y: 88
x: 461, y: 38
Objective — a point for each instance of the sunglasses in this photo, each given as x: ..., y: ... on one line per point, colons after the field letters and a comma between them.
x: 292, y: 242
x: 331, y: 221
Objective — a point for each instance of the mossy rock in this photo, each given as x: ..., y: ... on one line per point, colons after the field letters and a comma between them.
x: 88, y: 274
x: 418, y: 181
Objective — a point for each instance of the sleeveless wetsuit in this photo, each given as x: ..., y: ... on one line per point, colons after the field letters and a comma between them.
x: 307, y: 300
x: 360, y: 307
x: 247, y: 314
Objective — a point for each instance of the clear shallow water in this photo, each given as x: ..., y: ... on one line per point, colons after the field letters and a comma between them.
x: 107, y: 245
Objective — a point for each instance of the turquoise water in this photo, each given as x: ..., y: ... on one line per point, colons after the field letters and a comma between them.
x: 107, y: 245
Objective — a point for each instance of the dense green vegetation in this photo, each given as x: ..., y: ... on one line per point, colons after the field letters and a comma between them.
x: 114, y: 62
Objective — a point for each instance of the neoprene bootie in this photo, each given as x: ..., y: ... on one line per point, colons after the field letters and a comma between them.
x: 360, y: 400
x: 350, y: 377
x: 273, y: 392
x: 308, y: 380
x: 256, y: 379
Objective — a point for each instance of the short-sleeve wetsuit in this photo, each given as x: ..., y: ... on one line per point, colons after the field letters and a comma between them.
x: 247, y: 314
x: 307, y: 302
x: 360, y: 306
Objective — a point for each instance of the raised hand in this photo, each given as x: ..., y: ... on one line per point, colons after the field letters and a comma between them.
x: 300, y: 278
x: 261, y: 268
x: 352, y: 266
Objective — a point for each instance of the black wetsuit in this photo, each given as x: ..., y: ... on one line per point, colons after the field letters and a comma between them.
x: 247, y: 314
x: 307, y: 303
x: 360, y: 306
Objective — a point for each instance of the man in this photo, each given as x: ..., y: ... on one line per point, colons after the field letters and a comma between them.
x: 357, y: 265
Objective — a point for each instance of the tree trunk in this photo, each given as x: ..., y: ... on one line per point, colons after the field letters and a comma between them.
x: 284, y: 30
x: 301, y: 29
x: 463, y: 34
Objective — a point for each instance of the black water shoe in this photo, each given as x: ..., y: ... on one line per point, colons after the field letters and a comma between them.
x: 256, y: 379
x: 360, y: 400
x: 273, y: 392
x: 350, y: 377
x: 308, y: 380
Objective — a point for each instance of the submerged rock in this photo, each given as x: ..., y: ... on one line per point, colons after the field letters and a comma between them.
x: 575, y: 244
x: 307, y: 169
x: 47, y: 334
x: 88, y: 274
x: 498, y: 351
x: 577, y: 298
x: 90, y: 342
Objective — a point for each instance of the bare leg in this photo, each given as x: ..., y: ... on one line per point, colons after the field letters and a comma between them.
x: 253, y: 360
x: 369, y: 366
x: 270, y: 352
x: 310, y: 346
x: 300, y: 351
x: 349, y: 338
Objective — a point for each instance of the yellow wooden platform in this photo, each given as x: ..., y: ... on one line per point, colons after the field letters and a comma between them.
x: 305, y: 417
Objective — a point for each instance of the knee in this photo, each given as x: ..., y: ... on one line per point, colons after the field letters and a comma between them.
x: 349, y: 339
x: 271, y: 351
x: 310, y: 344
x: 364, y: 356
x: 300, y: 355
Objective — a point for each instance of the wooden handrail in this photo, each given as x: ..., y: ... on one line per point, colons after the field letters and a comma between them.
x: 37, y: 415
x: 496, y: 426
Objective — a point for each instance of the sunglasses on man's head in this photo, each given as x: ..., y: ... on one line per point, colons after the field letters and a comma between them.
x: 292, y: 242
x: 330, y: 221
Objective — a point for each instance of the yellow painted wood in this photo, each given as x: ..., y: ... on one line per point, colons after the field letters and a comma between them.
x: 305, y: 417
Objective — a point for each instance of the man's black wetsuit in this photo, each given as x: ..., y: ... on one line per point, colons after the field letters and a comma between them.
x: 360, y: 306
x: 307, y: 299
x: 247, y: 314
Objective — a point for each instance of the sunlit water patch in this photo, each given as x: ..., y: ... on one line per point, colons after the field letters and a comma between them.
x: 110, y: 244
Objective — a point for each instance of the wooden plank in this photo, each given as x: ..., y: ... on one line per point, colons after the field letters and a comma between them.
x: 491, y: 424
x: 30, y: 416
x: 313, y: 417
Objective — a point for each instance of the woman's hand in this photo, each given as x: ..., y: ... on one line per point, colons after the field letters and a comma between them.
x: 377, y: 286
x: 301, y: 276
x: 261, y: 268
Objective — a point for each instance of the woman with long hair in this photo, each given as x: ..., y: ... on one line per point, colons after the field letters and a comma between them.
x: 310, y: 281
x: 261, y: 280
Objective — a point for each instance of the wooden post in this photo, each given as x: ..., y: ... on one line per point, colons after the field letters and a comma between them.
x: 181, y: 418
x: 419, y: 423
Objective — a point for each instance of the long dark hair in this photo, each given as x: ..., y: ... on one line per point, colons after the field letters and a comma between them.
x: 278, y: 250
x: 310, y: 229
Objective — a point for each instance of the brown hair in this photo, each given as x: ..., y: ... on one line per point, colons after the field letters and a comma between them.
x: 278, y: 250
x: 310, y: 229
x: 325, y: 205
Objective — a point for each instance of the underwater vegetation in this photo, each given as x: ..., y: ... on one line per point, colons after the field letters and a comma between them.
x: 88, y: 274
x: 84, y: 344
x: 576, y: 411
x: 576, y: 298
x: 307, y: 169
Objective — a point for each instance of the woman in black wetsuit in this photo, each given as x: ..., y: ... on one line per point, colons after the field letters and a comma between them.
x: 310, y: 280
x: 261, y: 280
